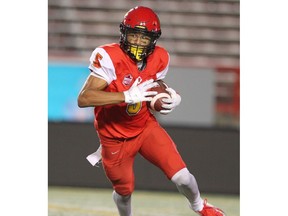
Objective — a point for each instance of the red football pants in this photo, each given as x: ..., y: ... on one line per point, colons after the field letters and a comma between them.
x: 153, y: 143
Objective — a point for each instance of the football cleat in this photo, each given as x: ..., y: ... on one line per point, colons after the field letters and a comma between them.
x: 210, y: 210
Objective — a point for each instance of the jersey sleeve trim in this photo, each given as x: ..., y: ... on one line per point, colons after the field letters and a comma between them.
x: 97, y: 75
x: 162, y: 74
x: 106, y: 70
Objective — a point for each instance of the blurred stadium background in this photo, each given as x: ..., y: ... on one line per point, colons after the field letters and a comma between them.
x: 203, y: 40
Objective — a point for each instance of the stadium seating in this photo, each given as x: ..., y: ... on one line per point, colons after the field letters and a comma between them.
x: 197, y: 33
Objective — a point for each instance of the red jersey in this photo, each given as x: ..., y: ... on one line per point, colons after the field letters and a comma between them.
x: 110, y: 63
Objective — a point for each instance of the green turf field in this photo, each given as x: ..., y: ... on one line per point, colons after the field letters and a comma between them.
x: 71, y: 201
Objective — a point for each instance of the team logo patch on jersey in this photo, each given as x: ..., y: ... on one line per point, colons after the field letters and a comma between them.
x: 127, y: 80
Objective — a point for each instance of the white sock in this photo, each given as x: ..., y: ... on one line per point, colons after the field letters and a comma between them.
x: 187, y: 185
x: 123, y: 204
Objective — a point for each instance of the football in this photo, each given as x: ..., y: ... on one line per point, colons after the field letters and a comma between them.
x: 156, y: 103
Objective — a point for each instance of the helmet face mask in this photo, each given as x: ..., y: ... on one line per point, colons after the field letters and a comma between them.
x: 138, y: 51
x: 143, y: 23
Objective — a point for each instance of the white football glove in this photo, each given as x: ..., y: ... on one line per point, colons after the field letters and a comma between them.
x: 138, y: 93
x: 170, y: 103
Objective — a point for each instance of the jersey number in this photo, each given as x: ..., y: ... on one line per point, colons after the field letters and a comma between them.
x: 133, y: 109
x: 96, y: 62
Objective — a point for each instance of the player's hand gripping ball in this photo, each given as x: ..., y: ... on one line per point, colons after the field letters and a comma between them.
x: 156, y: 102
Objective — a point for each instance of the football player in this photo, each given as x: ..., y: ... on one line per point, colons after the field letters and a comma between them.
x: 118, y: 87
